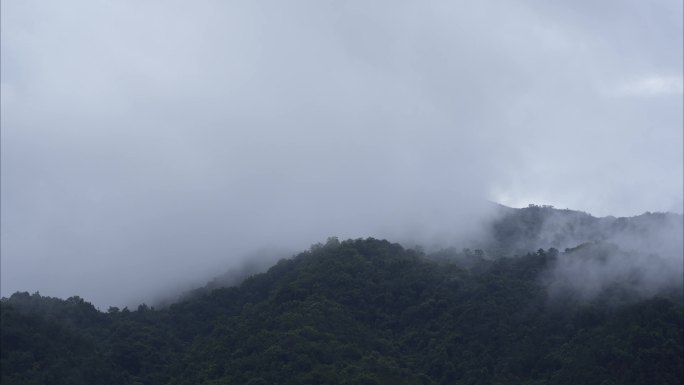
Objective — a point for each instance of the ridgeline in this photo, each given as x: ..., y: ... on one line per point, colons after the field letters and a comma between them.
x: 357, y: 312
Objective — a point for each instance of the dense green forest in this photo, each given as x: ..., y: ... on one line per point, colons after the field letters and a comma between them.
x: 357, y: 312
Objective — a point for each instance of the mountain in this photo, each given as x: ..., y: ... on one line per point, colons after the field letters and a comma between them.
x: 362, y: 311
x: 515, y: 231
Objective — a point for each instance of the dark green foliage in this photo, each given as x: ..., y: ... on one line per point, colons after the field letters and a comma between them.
x: 49, y: 341
x: 355, y: 312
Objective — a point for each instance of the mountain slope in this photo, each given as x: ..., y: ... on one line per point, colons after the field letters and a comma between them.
x: 371, y: 312
x: 517, y: 231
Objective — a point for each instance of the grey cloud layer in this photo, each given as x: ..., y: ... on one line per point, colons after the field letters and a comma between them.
x: 149, y: 144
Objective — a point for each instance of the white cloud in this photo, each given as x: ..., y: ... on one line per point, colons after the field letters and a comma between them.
x: 654, y: 85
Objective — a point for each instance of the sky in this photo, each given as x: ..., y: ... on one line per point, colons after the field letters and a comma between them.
x: 148, y: 145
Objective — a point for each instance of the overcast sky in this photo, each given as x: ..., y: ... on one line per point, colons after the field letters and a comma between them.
x: 147, y: 144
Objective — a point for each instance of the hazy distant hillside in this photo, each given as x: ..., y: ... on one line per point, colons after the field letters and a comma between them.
x: 522, y: 230
x: 512, y: 231
x: 362, y: 312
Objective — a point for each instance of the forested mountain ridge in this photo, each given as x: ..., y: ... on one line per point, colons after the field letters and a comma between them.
x: 360, y: 312
x: 515, y: 231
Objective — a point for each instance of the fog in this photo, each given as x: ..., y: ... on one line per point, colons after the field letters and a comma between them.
x: 149, y: 146
x: 594, y: 269
x: 638, y: 257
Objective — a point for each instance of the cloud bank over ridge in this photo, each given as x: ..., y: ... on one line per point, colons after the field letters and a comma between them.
x: 152, y: 143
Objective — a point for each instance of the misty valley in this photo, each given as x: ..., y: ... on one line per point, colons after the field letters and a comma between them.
x: 552, y: 297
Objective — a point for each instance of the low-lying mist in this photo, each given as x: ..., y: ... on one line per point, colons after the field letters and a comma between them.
x: 593, y: 269
x: 638, y: 256
x: 641, y: 255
